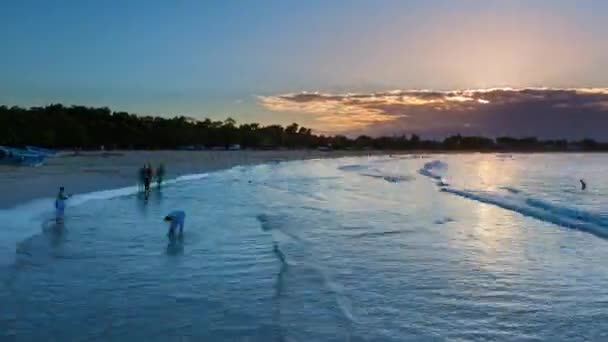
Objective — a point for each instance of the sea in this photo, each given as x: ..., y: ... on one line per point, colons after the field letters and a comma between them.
x: 455, y: 247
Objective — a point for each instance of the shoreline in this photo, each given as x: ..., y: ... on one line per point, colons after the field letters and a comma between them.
x: 94, y: 171
x: 90, y: 171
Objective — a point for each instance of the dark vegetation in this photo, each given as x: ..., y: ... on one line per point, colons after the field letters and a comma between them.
x: 57, y: 126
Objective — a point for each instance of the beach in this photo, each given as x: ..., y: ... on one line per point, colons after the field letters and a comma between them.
x: 93, y: 171
x: 368, y: 248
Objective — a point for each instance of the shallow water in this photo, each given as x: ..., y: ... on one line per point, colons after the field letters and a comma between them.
x: 490, y: 247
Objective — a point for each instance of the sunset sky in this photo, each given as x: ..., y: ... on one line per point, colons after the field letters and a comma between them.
x: 378, y: 67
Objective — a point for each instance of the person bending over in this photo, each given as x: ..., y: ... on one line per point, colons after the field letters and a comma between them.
x: 176, y: 218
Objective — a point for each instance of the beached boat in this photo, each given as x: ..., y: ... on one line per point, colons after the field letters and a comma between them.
x: 17, y: 156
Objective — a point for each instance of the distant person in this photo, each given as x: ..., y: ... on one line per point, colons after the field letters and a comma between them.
x: 583, y: 185
x: 147, y: 177
x: 60, y: 205
x: 160, y: 174
x: 142, y: 177
x: 177, y: 219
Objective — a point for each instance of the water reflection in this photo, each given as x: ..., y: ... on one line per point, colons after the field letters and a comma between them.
x: 278, y: 292
x: 175, y: 246
x: 142, y: 202
x: 494, y: 173
x: 55, y: 232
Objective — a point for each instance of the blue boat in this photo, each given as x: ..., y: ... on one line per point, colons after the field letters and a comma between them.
x: 17, y: 156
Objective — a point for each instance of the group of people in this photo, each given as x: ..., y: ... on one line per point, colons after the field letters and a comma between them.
x: 146, y: 176
x: 175, y: 218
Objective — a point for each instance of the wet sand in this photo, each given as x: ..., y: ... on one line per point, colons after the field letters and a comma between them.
x: 93, y: 171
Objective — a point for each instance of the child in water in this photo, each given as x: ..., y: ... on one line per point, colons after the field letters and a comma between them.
x: 60, y: 205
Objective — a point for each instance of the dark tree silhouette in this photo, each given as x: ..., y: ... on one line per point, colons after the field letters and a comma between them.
x: 57, y: 126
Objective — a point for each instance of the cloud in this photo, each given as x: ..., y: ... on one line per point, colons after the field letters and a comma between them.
x: 542, y: 112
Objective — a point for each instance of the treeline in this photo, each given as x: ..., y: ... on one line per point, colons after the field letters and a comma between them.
x: 57, y: 126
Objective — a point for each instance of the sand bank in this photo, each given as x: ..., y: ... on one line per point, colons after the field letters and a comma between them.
x: 95, y: 171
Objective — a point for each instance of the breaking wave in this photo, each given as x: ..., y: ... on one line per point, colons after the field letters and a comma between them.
x: 374, y: 172
x: 524, y: 203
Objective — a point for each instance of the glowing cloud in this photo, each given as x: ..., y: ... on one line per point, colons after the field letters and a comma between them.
x: 495, y: 111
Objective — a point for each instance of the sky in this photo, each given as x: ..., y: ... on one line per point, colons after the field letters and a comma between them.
x: 431, y: 67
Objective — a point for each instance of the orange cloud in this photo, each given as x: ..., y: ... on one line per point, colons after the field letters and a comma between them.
x: 445, y: 110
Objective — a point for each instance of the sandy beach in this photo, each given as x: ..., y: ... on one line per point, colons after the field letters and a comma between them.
x: 93, y: 171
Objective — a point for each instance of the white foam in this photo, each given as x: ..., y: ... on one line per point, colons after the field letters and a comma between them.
x: 434, y: 170
x: 190, y: 177
x: 375, y: 171
x: 572, y: 212
x: 548, y: 213
x: 435, y: 164
x: 129, y: 190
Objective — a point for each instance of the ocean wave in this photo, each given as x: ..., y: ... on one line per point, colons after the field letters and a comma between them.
x: 429, y: 174
x: 412, y: 156
x: 565, y: 210
x: 572, y: 212
x: 375, y: 172
x: 511, y: 189
x: 190, y: 177
x: 77, y: 200
x: 389, y: 178
x: 353, y: 167
x: 543, y: 211
x: 516, y: 200
x: 435, y: 169
x: 443, y: 220
x: 377, y: 234
x: 436, y: 165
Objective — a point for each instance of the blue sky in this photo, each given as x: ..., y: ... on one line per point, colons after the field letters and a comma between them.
x: 215, y: 58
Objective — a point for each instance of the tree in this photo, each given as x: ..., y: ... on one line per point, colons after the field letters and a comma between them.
x: 414, y: 140
x: 58, y: 126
